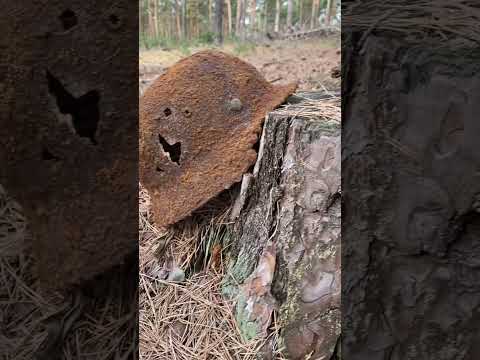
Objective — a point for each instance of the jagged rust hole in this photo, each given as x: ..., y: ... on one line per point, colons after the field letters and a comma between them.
x: 47, y: 155
x: 174, y: 151
x: 84, y: 110
x: 167, y: 112
x: 68, y: 19
x: 114, y: 19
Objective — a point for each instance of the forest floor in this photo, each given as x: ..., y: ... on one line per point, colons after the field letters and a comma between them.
x: 308, y: 62
x: 184, y: 314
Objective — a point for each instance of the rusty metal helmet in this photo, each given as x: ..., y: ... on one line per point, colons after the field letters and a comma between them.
x: 199, y: 123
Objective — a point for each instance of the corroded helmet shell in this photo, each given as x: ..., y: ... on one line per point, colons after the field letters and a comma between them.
x: 199, y: 123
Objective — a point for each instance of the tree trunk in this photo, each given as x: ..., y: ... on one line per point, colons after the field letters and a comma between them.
x: 289, y: 13
x: 244, y: 16
x: 313, y: 20
x: 140, y: 18
x: 253, y: 15
x: 184, y: 18
x: 333, y: 11
x: 286, y: 247
x: 238, y: 24
x: 229, y: 14
x: 155, y: 18
x: 196, y: 19
x: 277, y: 16
x: 265, y: 24
x: 219, y: 21
x: 178, y: 19
x: 328, y: 13
x: 300, y: 14
x: 210, y: 15
x: 150, y: 20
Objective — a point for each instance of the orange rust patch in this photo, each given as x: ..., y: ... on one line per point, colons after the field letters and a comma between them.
x: 198, y: 124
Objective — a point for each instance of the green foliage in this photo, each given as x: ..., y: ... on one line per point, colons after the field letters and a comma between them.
x: 147, y: 42
x: 207, y: 38
x: 185, y: 48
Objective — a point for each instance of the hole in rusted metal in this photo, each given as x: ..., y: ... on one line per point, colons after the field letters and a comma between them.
x: 84, y: 110
x: 68, y: 19
x: 114, y: 19
x: 47, y: 155
x: 187, y: 112
x: 167, y: 112
x: 174, y: 151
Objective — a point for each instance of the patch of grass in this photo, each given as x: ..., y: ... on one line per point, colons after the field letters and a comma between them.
x: 243, y: 48
x: 184, y: 45
x: 207, y: 38
x: 187, y: 47
x: 184, y: 48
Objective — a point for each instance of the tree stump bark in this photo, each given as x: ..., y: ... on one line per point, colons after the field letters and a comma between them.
x: 286, y: 255
x: 410, y: 174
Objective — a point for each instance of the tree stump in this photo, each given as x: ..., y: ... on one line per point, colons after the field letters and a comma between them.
x: 411, y: 181
x: 286, y: 253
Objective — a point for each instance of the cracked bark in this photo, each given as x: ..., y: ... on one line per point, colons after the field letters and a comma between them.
x: 411, y: 229
x: 286, y: 253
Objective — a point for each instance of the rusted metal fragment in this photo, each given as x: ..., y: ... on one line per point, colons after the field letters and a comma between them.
x: 69, y: 134
x: 199, y: 123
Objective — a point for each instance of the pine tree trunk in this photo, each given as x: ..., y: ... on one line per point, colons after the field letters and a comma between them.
x: 265, y: 23
x: 150, y: 19
x: 329, y: 13
x: 333, y: 10
x: 313, y: 20
x: 238, y: 24
x: 289, y: 13
x: 277, y: 16
x: 219, y: 21
x: 178, y: 19
x: 155, y: 18
x: 184, y: 18
x: 253, y: 15
x: 300, y: 14
x: 229, y: 14
x: 286, y: 252
x: 211, y: 21
x: 244, y: 16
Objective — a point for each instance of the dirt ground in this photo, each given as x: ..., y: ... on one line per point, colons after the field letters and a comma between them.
x: 308, y: 62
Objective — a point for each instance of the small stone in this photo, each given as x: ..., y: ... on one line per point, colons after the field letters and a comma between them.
x: 235, y: 105
x: 176, y: 275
